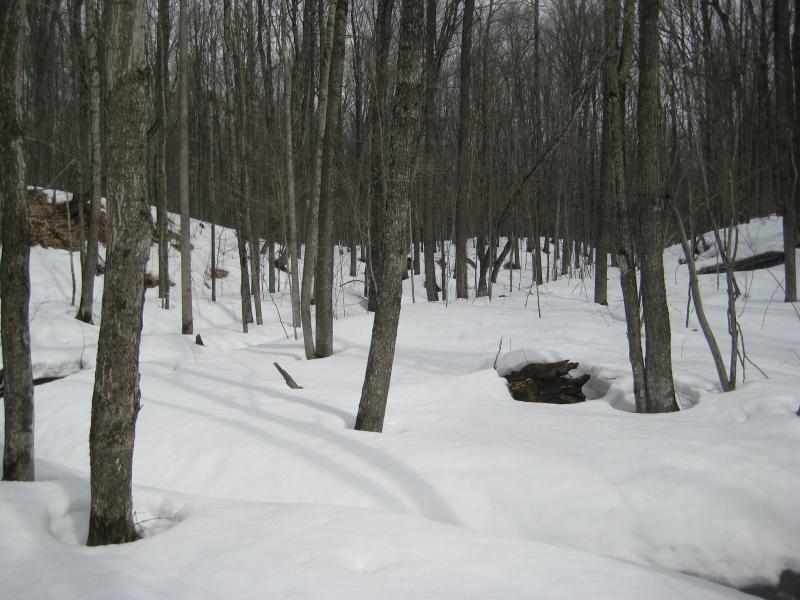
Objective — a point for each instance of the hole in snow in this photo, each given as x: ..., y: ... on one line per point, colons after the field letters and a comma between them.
x: 72, y: 527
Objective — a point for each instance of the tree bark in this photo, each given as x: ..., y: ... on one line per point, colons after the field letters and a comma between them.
x: 660, y: 390
x: 291, y: 203
x: 615, y: 75
x: 464, y: 122
x: 378, y: 124
x: 785, y: 179
x: 115, y: 402
x: 429, y: 120
x: 372, y: 406
x: 89, y: 268
x: 183, y: 166
x: 312, y: 215
x: 15, y: 286
x: 236, y: 171
x: 324, y: 275
x: 162, y: 82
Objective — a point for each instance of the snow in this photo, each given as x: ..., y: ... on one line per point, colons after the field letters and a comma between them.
x: 245, y: 488
x: 758, y: 237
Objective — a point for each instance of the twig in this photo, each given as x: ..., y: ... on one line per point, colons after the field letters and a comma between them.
x: 746, y: 357
x: 278, y: 310
x: 496, y: 356
x: 351, y: 281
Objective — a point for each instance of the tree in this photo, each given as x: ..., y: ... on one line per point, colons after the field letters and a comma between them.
x: 162, y: 83
x: 291, y: 217
x: 377, y: 124
x: 89, y: 269
x: 372, y: 406
x: 660, y: 390
x: 465, y: 112
x: 614, y: 181
x: 785, y: 176
x: 15, y: 287
x: 238, y: 172
x: 312, y: 214
x: 183, y: 166
x: 115, y: 401
x: 324, y: 274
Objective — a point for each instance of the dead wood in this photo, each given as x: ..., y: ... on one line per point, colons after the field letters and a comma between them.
x: 750, y: 263
x: 547, y: 382
x: 287, y: 378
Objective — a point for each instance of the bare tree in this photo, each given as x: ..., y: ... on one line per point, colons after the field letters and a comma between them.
x: 660, y: 390
x: 89, y: 270
x: 15, y: 286
x: 312, y: 215
x: 464, y: 121
x: 377, y: 124
x: 372, y: 406
x: 162, y: 217
x: 115, y: 402
x: 785, y: 177
x: 324, y: 274
x: 291, y: 218
x: 183, y: 167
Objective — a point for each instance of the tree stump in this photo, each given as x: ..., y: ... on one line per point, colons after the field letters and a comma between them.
x: 547, y: 382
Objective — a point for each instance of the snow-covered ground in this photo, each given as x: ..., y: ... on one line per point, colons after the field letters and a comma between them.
x: 245, y: 488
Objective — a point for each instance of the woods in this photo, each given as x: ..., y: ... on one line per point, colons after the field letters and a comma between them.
x: 514, y: 135
x: 460, y: 141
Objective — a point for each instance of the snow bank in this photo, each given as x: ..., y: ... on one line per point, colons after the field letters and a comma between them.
x: 467, y: 493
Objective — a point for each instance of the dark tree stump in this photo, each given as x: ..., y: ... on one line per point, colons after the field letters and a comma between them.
x: 547, y: 382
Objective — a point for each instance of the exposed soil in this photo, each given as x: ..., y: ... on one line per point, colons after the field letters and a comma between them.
x: 51, y: 228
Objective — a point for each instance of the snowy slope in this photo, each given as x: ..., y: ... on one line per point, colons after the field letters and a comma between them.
x: 257, y: 490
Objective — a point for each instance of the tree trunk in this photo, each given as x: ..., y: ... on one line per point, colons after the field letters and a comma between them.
x: 464, y: 121
x: 15, y: 285
x: 785, y: 179
x: 324, y: 276
x: 183, y: 166
x: 236, y: 175
x: 312, y: 215
x: 378, y: 124
x: 291, y: 203
x: 660, y: 390
x: 247, y: 109
x: 498, y: 263
x: 115, y: 402
x: 372, y: 406
x: 162, y: 82
x: 606, y: 196
x: 429, y: 118
x: 614, y: 127
x: 89, y: 268
x: 212, y: 118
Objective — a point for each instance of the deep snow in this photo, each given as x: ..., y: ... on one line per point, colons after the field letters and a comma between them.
x: 249, y: 489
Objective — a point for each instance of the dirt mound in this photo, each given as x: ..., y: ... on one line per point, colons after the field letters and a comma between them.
x: 50, y: 227
x: 151, y: 281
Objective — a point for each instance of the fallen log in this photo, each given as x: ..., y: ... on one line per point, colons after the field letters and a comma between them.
x: 547, y: 382
x: 764, y: 260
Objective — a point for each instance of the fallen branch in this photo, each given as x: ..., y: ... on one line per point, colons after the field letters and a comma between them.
x: 287, y: 378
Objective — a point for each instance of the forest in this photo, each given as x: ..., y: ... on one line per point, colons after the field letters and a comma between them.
x: 455, y: 205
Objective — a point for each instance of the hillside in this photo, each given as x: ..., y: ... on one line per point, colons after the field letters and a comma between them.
x: 245, y: 488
